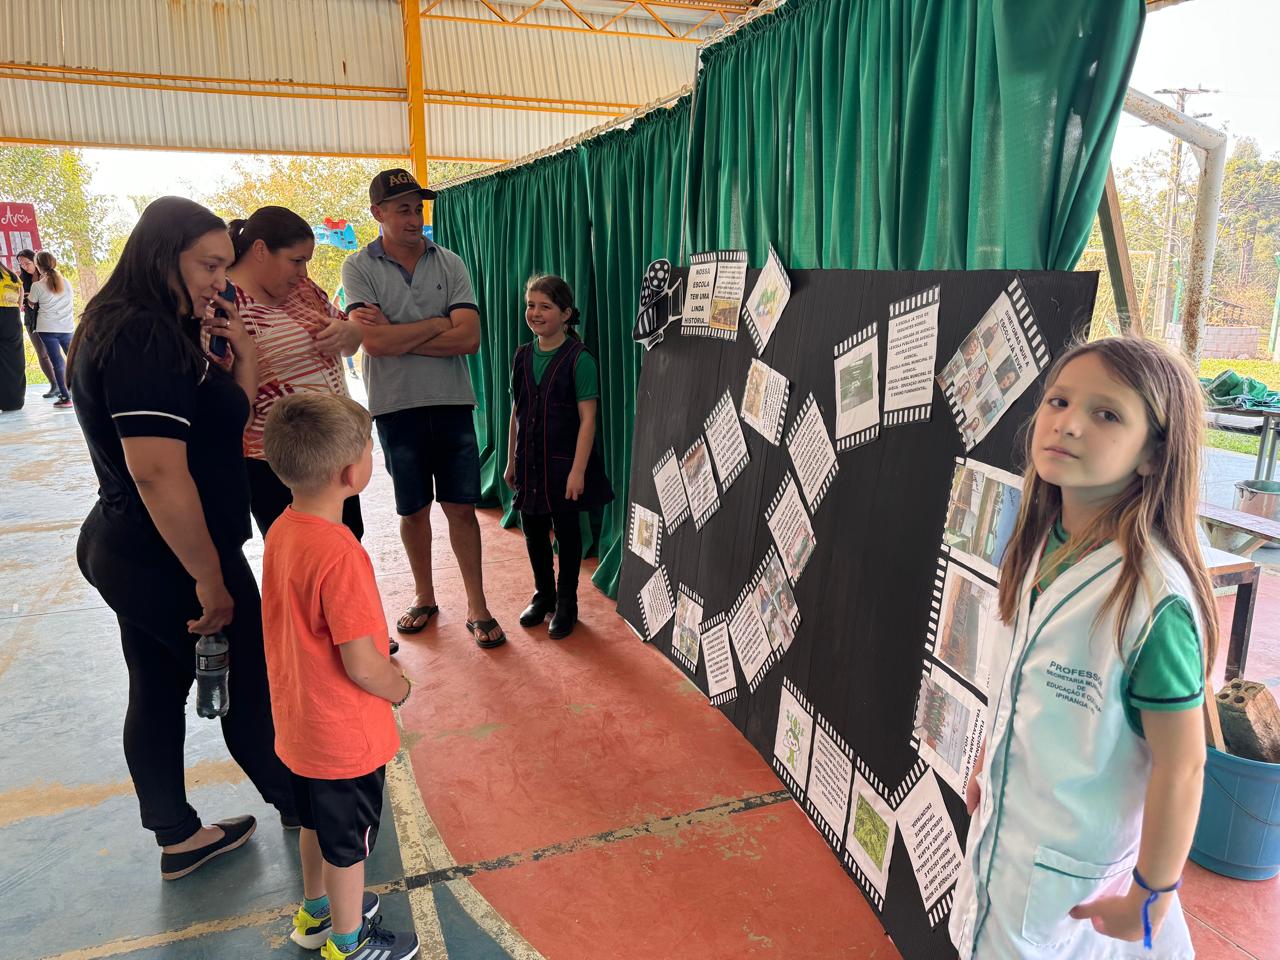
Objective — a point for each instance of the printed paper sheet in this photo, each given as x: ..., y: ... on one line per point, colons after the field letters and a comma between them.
x: 655, y: 603
x: 644, y: 534
x: 830, y: 775
x: 857, y: 366
x: 728, y: 446
x: 994, y: 365
x: 764, y: 401
x: 793, y: 738
x: 812, y: 453
x: 949, y: 726
x: 913, y: 348
x: 699, y: 483
x: 722, y: 679
x: 716, y: 283
x: 687, y: 633
x: 767, y: 301
x: 869, y: 839
x: 981, y: 514
x: 932, y: 845
x: 749, y: 639
x: 791, y: 528
x: 672, y: 498
x: 964, y: 624
x: 775, y: 603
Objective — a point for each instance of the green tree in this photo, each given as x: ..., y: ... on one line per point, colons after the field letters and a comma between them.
x: 314, y: 188
x: 75, y: 222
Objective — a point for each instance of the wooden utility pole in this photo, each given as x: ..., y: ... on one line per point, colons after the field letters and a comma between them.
x: 1164, y: 301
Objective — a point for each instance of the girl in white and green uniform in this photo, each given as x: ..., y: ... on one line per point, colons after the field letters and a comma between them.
x: 1088, y: 788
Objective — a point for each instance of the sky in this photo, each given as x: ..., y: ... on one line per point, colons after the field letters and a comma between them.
x: 1224, y: 45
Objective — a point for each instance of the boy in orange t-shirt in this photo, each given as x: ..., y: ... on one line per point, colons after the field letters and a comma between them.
x: 332, y: 682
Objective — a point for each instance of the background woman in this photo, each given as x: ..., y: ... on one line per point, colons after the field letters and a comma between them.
x: 163, y: 543
x: 300, y: 338
x: 56, y: 320
x: 27, y: 274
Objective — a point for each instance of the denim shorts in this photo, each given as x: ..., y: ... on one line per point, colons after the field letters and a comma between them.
x: 431, y: 454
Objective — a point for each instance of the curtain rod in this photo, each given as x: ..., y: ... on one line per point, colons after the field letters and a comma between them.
x: 755, y: 13
x: 571, y: 142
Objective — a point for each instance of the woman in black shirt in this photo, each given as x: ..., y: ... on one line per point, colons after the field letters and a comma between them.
x: 163, y: 421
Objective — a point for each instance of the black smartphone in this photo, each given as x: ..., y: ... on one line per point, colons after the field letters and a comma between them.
x: 218, y: 344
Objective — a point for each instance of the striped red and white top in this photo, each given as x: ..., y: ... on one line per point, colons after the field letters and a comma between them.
x: 288, y: 361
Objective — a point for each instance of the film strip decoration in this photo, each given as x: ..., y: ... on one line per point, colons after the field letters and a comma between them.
x: 799, y: 548
x: 709, y: 505
x: 719, y: 661
x: 811, y: 430
x: 724, y: 434
x: 935, y: 606
x: 715, y: 312
x: 660, y: 303
x: 742, y: 607
x: 644, y: 534
x: 897, y: 311
x: 662, y: 614
x: 683, y: 648
x: 797, y: 789
x: 918, y: 770
x: 942, y: 909
x: 849, y: 353
x: 671, y: 517
x: 1022, y: 306
x: 833, y: 832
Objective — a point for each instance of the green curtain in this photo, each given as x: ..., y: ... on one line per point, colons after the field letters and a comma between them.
x: 635, y: 194
x: 507, y: 227
x: 874, y: 134
x: 910, y: 134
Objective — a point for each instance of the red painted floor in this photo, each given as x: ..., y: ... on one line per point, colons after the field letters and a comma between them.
x: 545, y: 742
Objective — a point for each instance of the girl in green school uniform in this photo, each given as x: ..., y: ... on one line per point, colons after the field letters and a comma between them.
x: 1088, y: 787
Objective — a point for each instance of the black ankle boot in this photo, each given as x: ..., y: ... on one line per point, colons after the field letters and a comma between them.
x: 537, y: 610
x: 565, y: 617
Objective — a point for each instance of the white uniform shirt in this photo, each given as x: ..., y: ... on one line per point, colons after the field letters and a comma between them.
x: 1065, y: 779
x: 57, y: 310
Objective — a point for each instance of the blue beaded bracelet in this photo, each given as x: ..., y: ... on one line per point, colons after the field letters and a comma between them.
x: 1146, y: 904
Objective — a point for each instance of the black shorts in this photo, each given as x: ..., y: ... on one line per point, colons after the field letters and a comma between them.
x: 344, y: 814
x: 431, y: 453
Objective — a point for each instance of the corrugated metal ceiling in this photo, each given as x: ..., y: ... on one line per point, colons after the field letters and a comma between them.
x: 327, y: 76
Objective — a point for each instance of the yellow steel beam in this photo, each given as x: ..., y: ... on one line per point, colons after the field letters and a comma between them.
x: 726, y: 10
x: 551, y: 26
x: 190, y: 78
x: 528, y: 10
x: 430, y: 95
x: 103, y: 145
x: 416, y: 92
x: 574, y: 10
x: 662, y: 23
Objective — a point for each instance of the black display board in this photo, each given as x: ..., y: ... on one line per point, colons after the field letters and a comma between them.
x: 866, y: 595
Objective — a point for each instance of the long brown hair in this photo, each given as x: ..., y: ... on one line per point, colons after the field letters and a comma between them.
x: 1158, y: 507
x: 559, y: 293
x: 48, y: 268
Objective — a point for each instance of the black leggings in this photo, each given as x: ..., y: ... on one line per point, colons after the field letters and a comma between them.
x: 269, y: 496
x: 153, y: 597
x: 537, y: 538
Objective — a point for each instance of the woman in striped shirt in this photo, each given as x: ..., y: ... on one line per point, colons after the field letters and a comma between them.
x: 301, y: 339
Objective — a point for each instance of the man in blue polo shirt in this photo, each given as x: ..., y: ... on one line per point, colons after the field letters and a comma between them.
x: 418, y: 312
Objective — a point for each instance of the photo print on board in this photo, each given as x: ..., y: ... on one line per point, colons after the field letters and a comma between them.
x: 722, y: 679
x: 672, y: 499
x: 749, y: 639
x: 792, y: 531
x: 687, y: 633
x: 995, y: 364
x: 656, y: 606
x: 793, y: 739
x: 830, y: 776
x: 728, y: 445
x: 932, y: 846
x: 764, y: 401
x: 716, y: 283
x: 950, y: 723
x: 644, y: 534
x: 868, y: 842
x: 768, y: 299
x: 982, y: 511
x: 812, y: 453
x: 964, y: 621
x: 857, y: 366
x: 912, y: 350
x: 699, y: 483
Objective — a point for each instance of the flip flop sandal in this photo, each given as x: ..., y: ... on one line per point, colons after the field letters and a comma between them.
x: 412, y: 614
x: 480, y: 630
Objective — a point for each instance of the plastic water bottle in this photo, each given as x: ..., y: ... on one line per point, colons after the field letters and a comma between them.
x: 212, y: 662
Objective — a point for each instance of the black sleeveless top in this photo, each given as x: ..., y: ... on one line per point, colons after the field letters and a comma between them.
x: 547, y: 424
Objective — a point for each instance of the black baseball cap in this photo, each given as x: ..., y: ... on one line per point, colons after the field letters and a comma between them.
x: 390, y: 184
